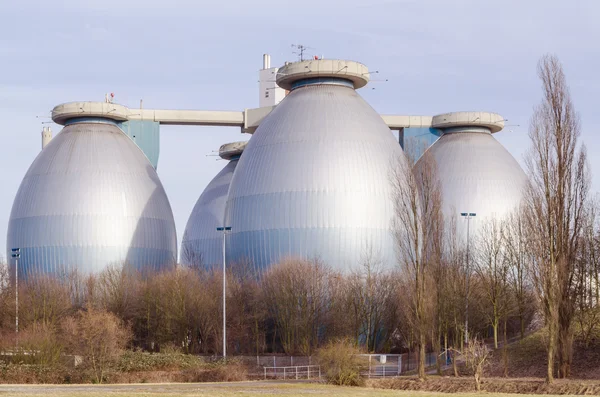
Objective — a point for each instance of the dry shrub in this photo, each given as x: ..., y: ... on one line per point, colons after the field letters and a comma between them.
x: 38, y: 358
x: 31, y: 374
x: 491, y: 385
x: 138, y: 361
x: 476, y: 354
x: 39, y: 345
x: 341, y: 363
x: 217, y: 372
x: 99, y: 337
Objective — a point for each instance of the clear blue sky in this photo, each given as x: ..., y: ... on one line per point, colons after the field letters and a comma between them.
x: 438, y: 55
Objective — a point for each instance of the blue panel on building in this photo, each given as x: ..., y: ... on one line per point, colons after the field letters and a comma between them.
x: 417, y: 140
x: 146, y: 134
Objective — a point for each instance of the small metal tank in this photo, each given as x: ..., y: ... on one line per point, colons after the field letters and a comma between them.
x: 202, y: 244
x: 478, y: 175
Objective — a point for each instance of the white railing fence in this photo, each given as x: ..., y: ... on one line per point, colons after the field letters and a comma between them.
x: 293, y: 372
x: 374, y: 365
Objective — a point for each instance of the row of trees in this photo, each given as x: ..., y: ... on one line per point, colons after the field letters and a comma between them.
x: 444, y: 287
x: 293, y: 307
x: 548, y: 248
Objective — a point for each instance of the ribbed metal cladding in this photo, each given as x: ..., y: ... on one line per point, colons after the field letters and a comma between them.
x: 478, y: 175
x: 90, y: 199
x: 202, y: 244
x: 314, y: 183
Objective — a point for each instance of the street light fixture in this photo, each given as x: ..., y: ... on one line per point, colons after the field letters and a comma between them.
x: 16, y: 253
x: 468, y: 216
x: 224, y: 229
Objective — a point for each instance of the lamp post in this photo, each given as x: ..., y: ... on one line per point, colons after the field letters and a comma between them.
x: 468, y: 216
x: 224, y: 229
x: 16, y: 253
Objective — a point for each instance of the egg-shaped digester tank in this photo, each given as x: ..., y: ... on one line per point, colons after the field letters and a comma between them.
x: 314, y: 179
x: 91, y: 199
x: 477, y: 175
x: 202, y: 243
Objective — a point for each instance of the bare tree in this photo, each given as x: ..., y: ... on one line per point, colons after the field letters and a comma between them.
x: 418, y: 232
x: 447, y: 288
x: 587, y: 275
x: 296, y: 295
x: 518, y: 255
x: 491, y: 267
x: 453, y: 286
x: 117, y: 289
x: 369, y: 290
x: 208, y: 310
x: 476, y: 354
x: 7, y: 302
x: 556, y: 202
x: 246, y: 310
x: 181, y: 308
x: 192, y: 252
x: 45, y: 300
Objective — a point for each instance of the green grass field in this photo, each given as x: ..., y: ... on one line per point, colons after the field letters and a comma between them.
x: 217, y: 390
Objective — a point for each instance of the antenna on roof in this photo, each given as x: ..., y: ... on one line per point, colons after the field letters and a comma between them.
x: 376, y: 80
x: 213, y: 153
x: 300, y: 50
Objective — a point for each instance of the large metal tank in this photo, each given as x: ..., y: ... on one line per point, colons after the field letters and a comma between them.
x: 90, y: 199
x: 202, y: 244
x: 314, y: 179
x: 478, y: 175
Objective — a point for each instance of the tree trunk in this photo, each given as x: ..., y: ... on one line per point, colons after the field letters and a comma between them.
x: 495, y: 326
x: 446, y: 348
x: 522, y: 322
x: 565, y: 350
x: 421, y: 355
x: 550, y: 357
x: 505, y: 351
x: 437, y: 347
x: 454, y: 367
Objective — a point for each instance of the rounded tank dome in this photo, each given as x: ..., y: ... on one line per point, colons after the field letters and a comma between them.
x: 478, y: 175
x: 314, y: 180
x: 90, y: 199
x: 202, y: 244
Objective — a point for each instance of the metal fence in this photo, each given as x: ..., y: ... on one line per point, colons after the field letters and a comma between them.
x: 295, y: 372
x: 277, y: 361
x: 382, y: 365
x: 375, y: 365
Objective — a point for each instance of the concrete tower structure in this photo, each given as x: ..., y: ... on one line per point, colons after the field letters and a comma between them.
x: 46, y: 136
x: 270, y: 94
